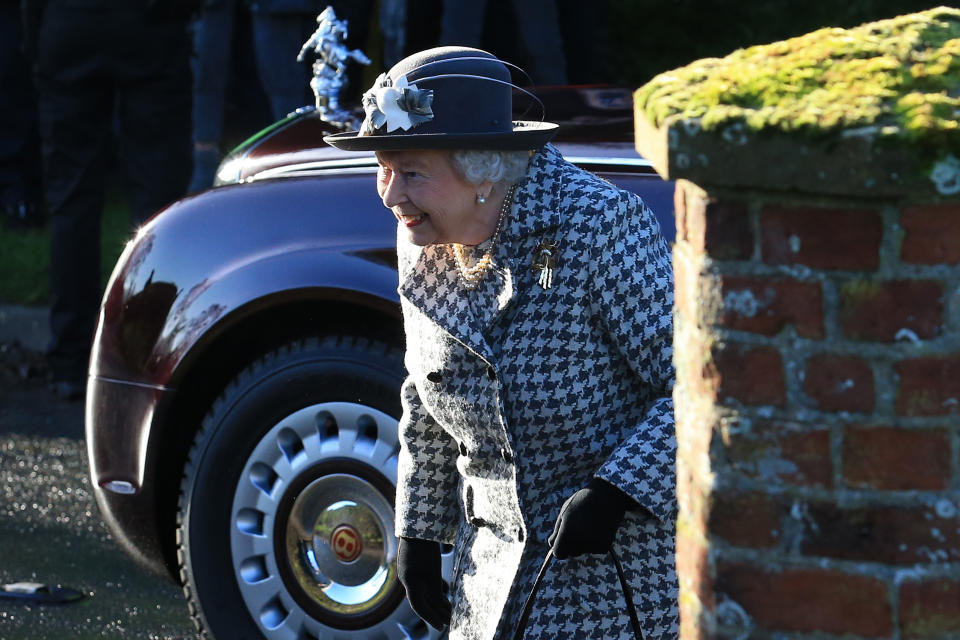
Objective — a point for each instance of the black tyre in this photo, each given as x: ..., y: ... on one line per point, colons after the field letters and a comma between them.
x: 286, y: 507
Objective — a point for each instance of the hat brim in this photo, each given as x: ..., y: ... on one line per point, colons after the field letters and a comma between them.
x: 525, y: 135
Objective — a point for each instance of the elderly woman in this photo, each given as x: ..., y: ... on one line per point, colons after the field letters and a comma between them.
x: 537, y: 413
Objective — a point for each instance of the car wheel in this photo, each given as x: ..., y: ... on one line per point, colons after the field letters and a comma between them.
x: 286, y: 507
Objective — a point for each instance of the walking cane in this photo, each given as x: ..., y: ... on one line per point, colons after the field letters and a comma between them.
x: 627, y: 596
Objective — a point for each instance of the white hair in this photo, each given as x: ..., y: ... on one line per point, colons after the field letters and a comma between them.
x: 493, y: 166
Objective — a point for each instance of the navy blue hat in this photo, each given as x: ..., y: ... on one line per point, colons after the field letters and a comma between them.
x: 443, y: 98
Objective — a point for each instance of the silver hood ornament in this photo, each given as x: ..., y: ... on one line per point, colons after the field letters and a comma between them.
x: 330, y: 66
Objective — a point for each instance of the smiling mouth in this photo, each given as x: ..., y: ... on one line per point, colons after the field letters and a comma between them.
x: 410, y: 221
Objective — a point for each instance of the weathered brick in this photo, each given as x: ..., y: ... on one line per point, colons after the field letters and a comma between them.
x: 703, y: 383
x: 887, y: 535
x: 693, y: 570
x: 692, y: 494
x: 931, y: 234
x: 839, y: 383
x: 687, y: 201
x: 809, y: 454
x: 821, y: 238
x: 680, y: 208
x: 808, y: 600
x: 747, y: 519
x: 870, y: 310
x: 686, y: 282
x: 791, y: 455
x: 767, y: 305
x: 728, y: 235
x: 930, y: 609
x: 752, y: 375
x: 893, y: 459
x: 719, y: 227
x: 929, y: 386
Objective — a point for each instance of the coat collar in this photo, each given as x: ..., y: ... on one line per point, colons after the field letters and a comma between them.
x: 537, y: 197
x: 429, y: 279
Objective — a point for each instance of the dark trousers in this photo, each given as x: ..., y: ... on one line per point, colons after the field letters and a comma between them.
x: 104, y: 73
x: 538, y: 26
x: 275, y: 41
x: 19, y: 160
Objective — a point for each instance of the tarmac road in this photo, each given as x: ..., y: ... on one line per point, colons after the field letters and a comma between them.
x: 51, y: 531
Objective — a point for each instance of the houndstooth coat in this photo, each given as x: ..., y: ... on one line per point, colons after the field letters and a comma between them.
x: 518, y: 394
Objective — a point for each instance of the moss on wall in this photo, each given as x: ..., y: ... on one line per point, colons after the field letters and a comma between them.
x: 897, y: 80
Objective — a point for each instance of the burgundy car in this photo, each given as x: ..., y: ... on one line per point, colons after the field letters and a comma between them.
x: 244, y: 388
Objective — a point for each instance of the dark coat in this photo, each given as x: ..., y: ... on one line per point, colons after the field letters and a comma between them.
x: 518, y: 394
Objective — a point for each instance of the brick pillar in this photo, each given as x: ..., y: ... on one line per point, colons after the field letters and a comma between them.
x: 817, y: 343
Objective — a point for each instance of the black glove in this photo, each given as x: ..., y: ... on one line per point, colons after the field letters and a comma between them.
x: 589, y: 520
x: 418, y: 567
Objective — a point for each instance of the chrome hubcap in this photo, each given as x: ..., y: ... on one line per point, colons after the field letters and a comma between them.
x: 311, y: 534
x: 339, y: 542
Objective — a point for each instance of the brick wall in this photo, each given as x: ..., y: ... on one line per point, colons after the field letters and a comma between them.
x: 817, y: 332
x: 818, y: 395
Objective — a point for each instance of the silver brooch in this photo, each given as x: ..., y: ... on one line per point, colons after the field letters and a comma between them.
x: 545, y: 261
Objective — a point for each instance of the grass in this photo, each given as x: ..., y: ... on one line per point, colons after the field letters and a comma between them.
x: 25, y: 254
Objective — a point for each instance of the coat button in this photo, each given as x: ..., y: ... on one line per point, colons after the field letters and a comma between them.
x: 463, y: 449
x: 434, y: 376
x: 507, y: 456
x: 519, y: 535
x: 491, y: 373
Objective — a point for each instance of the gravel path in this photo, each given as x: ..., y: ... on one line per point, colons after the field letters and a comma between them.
x: 51, y: 531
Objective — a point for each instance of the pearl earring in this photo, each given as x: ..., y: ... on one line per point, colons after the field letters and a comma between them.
x: 481, y: 199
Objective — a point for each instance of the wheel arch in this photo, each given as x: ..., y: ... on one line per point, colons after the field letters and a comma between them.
x: 257, y: 328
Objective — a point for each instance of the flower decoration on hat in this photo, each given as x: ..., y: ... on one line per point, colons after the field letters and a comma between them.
x: 399, y: 106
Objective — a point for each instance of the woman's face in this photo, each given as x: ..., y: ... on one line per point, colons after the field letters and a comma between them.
x: 431, y: 200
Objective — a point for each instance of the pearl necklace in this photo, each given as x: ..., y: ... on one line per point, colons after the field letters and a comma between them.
x: 470, y: 276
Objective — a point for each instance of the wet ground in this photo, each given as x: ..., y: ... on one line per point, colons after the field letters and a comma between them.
x: 51, y: 531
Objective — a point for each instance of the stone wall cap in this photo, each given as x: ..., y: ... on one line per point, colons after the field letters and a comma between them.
x: 873, y: 110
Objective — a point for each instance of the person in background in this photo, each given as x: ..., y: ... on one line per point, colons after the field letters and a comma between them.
x: 537, y: 25
x: 107, y: 72
x: 279, y: 28
x: 19, y: 144
x: 537, y: 413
